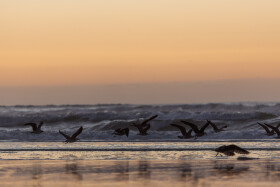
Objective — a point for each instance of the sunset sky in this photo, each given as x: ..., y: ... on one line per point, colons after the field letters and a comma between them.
x: 53, y: 43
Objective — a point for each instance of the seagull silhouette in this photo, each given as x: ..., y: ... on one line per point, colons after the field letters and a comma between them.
x: 275, y: 129
x: 73, y: 138
x: 198, y: 132
x: 142, y: 129
x: 145, y: 122
x: 144, y: 126
x: 268, y: 131
x: 216, y: 129
x: 230, y: 150
x: 121, y: 132
x: 186, y: 135
x: 35, y: 129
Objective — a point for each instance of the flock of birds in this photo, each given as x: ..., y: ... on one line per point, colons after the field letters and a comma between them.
x: 37, y: 130
x: 199, y: 131
x: 143, y: 127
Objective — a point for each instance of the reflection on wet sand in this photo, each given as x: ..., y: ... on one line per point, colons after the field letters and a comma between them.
x: 135, y: 173
x: 185, y: 172
x: 122, y: 171
x: 230, y: 169
x: 144, y: 170
x: 72, y: 169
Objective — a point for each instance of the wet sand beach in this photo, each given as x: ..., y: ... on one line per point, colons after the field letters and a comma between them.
x: 229, y: 172
x: 136, y: 164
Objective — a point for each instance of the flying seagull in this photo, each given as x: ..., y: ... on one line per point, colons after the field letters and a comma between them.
x: 186, y: 135
x: 275, y: 129
x: 144, y: 126
x: 145, y: 122
x: 268, y: 131
x: 36, y: 129
x: 73, y: 138
x: 121, y: 132
x: 142, y: 129
x: 198, y: 132
x: 216, y: 129
x: 230, y: 150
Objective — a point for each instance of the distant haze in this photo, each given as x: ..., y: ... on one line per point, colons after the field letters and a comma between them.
x: 246, y: 90
x: 143, y: 52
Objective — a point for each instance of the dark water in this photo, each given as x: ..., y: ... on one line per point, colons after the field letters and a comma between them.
x: 99, y: 121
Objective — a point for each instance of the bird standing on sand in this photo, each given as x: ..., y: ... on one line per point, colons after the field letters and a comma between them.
x: 121, y: 132
x: 216, y: 129
x: 36, y: 129
x: 198, y: 132
x: 230, y: 150
x: 275, y: 129
x: 73, y: 138
x: 144, y: 126
x: 268, y: 132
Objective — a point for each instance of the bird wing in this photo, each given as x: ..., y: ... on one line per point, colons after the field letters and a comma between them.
x: 33, y: 125
x: 193, y: 126
x: 204, y: 127
x: 147, y: 120
x: 139, y: 127
x: 146, y: 128
x: 126, y: 130
x: 229, y: 153
x: 189, y: 132
x: 213, y: 125
x: 40, y: 125
x: 265, y: 127
x: 272, y: 131
x: 181, y: 128
x: 274, y: 128
x: 79, y: 131
x: 65, y: 135
x: 237, y: 149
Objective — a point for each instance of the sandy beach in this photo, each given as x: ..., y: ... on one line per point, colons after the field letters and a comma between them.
x: 229, y: 172
x: 136, y: 164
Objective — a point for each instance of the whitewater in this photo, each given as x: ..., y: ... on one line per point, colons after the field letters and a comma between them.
x: 100, y: 121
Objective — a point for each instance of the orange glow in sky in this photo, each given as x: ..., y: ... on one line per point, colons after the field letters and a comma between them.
x: 73, y: 42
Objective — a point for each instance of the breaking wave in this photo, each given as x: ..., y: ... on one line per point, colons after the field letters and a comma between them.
x: 99, y: 121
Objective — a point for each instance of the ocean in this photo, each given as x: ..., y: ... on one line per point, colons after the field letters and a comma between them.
x: 160, y: 158
x: 100, y: 121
